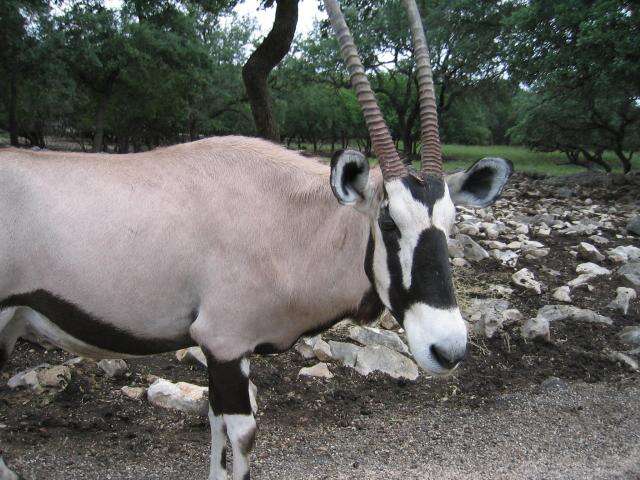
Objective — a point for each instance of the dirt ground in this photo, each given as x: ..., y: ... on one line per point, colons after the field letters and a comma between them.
x: 495, y: 418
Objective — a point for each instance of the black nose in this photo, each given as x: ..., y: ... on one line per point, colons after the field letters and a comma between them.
x: 448, y: 358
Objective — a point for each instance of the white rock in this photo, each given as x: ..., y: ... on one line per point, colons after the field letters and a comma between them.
x: 624, y: 254
x: 379, y: 358
x: 494, y: 245
x: 512, y: 315
x: 536, y: 327
x: 113, y: 368
x: 388, y: 322
x: 460, y: 263
x: 181, y: 396
x: 501, y: 290
x: 344, y: 353
x: 537, y: 253
x: 555, y: 313
x: 592, y: 269
x: 525, y: 279
x: 516, y: 245
x: 598, y: 239
x: 322, y: 350
x: 631, y: 272
x: 42, y: 376
x: 624, y: 359
x: 192, y: 355
x: 305, y: 350
x: 375, y: 336
x: 543, y: 231
x: 319, y: 370
x: 134, y: 393
x: 486, y: 315
x: 471, y: 250
x: 583, y: 279
x: 624, y: 296
x: 586, y: 251
x: 630, y: 335
x: 562, y: 294
x: 523, y: 229
x: 508, y: 258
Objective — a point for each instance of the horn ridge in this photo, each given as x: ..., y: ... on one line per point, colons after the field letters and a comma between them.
x: 431, y: 152
x: 381, y: 141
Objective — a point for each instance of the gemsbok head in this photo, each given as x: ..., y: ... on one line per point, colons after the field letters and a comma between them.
x: 411, y: 213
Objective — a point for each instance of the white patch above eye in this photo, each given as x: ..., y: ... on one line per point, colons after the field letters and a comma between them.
x: 412, y: 218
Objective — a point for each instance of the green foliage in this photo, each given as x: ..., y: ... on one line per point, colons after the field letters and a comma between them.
x: 581, y: 61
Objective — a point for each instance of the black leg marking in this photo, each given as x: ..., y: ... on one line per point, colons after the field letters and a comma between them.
x: 247, y: 476
x: 4, y: 357
x: 228, y: 387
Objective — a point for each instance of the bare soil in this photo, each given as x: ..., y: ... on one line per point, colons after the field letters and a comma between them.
x: 492, y: 419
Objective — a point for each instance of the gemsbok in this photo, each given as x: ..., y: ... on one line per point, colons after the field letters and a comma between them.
x: 236, y: 245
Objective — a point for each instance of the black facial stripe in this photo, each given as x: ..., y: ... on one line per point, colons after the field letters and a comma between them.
x: 431, y: 281
x: 92, y: 330
x: 223, y: 458
x: 427, y: 192
x: 228, y: 387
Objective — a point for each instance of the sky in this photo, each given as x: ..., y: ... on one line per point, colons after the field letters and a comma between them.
x: 307, y: 13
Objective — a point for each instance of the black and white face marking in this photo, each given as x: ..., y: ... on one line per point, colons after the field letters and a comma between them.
x: 410, y: 269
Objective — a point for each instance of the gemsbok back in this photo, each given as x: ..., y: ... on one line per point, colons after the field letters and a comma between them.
x: 237, y: 245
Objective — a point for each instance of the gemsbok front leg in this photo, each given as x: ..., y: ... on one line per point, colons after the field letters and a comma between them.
x: 230, y: 411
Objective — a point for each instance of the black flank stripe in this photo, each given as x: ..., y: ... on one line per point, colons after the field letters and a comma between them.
x: 90, y: 329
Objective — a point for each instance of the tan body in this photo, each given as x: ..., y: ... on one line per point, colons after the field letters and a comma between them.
x: 242, y: 231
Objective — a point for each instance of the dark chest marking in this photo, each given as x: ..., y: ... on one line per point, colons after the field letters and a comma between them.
x: 83, y: 326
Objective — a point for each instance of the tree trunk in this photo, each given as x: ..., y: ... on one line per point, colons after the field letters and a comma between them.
x: 98, y: 138
x: 266, y: 56
x: 13, y: 103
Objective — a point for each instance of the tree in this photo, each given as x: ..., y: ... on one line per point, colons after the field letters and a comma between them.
x: 580, y: 59
x: 265, y: 57
x: 16, y: 60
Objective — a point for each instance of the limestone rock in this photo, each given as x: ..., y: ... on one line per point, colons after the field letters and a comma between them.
x: 344, y: 353
x: 512, y: 315
x: 624, y: 296
x: 592, y: 269
x: 470, y: 249
x: 562, y: 294
x: 486, y: 315
x: 624, y: 359
x: 322, y: 350
x: 508, y: 258
x: 586, y: 251
x: 41, y: 377
x: 374, y: 336
x: 379, y: 358
x: 631, y: 273
x: 388, y: 322
x: 113, y: 368
x: 624, y: 254
x: 634, y: 225
x: 319, y: 370
x: 598, y: 239
x: 192, y: 355
x: 630, y: 335
x: 555, y: 313
x: 181, y: 396
x: 134, y: 393
x: 525, y: 279
x: 536, y: 327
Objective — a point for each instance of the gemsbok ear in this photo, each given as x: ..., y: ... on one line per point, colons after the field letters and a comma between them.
x: 350, y: 177
x: 481, y: 184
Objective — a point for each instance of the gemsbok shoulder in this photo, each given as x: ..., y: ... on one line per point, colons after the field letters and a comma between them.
x: 237, y: 245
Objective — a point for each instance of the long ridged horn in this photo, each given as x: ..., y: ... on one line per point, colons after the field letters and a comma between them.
x: 383, y: 146
x: 431, y: 153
